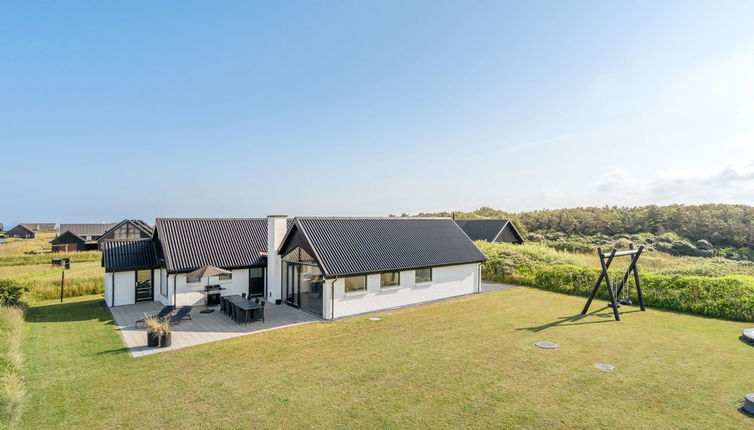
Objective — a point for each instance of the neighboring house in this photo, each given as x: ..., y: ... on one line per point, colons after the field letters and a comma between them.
x: 127, y: 229
x: 40, y: 226
x: 332, y: 267
x: 21, y: 231
x: 68, y: 242
x: 491, y: 230
x: 79, y: 237
x: 88, y: 232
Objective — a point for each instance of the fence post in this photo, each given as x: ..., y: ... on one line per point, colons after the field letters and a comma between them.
x: 62, y: 283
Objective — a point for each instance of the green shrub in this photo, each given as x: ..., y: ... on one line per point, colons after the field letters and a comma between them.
x: 692, y: 288
x: 11, y: 292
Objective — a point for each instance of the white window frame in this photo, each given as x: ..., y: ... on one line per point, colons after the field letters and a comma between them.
x: 431, y: 276
x: 397, y: 283
x: 360, y: 290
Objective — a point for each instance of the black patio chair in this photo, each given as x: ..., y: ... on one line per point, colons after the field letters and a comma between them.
x: 184, y: 313
x: 223, y: 304
x: 159, y: 315
x: 259, y: 311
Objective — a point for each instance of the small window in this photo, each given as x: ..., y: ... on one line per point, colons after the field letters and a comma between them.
x: 191, y: 280
x: 225, y: 276
x: 356, y: 283
x: 423, y: 275
x: 390, y: 279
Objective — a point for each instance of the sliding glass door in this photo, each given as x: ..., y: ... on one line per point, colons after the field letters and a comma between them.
x: 303, y: 282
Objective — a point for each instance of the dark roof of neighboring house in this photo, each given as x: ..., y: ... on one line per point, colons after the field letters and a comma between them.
x: 88, y: 229
x: 21, y: 227
x: 35, y: 226
x: 128, y: 254
x: 141, y: 225
x: 485, y: 229
x: 190, y: 243
x: 348, y: 246
x: 67, y: 237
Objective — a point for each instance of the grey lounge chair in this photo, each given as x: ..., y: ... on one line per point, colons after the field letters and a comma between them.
x: 159, y: 315
x: 184, y: 313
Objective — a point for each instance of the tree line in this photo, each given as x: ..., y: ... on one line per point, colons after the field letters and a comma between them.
x: 720, y: 224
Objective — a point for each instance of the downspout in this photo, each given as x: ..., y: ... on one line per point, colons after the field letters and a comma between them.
x: 332, y: 299
x: 174, y: 281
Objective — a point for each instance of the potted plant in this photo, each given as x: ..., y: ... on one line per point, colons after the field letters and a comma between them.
x: 166, y: 336
x: 153, y: 325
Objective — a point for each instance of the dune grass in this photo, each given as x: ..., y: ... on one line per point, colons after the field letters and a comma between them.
x: 43, y: 280
x: 460, y: 363
x: 21, y: 252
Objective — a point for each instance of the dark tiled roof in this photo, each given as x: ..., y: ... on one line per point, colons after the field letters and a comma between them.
x: 190, y: 243
x: 88, y: 229
x: 66, y: 237
x: 124, y: 254
x: 482, y: 229
x: 366, y: 245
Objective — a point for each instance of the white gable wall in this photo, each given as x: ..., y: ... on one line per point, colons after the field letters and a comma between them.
x: 447, y: 281
x: 125, y: 288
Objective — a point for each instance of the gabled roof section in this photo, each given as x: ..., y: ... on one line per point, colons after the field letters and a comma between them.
x: 487, y: 229
x: 88, y: 229
x: 349, y: 246
x: 190, y: 243
x: 23, y: 228
x: 67, y: 237
x: 128, y: 254
x: 139, y: 224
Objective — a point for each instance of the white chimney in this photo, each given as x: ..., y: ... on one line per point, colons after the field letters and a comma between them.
x: 276, y: 229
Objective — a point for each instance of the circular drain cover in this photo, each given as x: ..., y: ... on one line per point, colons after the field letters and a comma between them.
x: 374, y: 319
x: 604, y: 366
x: 547, y: 345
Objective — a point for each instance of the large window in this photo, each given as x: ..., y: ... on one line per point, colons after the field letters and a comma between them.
x: 192, y: 280
x: 390, y: 279
x: 356, y: 283
x: 423, y: 275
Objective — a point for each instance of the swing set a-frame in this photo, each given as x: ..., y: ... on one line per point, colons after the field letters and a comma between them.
x: 605, y: 261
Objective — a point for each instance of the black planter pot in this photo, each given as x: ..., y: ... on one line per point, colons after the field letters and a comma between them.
x: 166, y: 340
x: 153, y: 339
x: 278, y: 301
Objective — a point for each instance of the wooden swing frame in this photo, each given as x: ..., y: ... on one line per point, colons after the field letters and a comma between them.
x: 605, y: 261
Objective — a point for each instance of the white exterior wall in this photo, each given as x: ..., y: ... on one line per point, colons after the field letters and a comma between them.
x: 192, y: 294
x: 108, y: 288
x: 447, y: 281
x: 161, y: 276
x: 125, y: 288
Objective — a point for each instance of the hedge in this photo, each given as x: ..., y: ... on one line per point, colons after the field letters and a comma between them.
x: 730, y: 297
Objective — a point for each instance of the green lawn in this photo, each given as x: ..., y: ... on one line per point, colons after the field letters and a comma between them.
x: 466, y: 362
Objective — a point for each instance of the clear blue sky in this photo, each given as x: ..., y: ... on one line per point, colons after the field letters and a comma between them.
x: 125, y: 109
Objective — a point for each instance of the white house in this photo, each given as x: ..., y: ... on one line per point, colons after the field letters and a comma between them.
x: 332, y: 267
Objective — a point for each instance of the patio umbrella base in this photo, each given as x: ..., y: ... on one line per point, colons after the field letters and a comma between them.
x: 206, y: 311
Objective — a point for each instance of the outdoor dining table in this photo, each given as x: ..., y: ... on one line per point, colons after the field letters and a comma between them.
x: 243, y: 304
